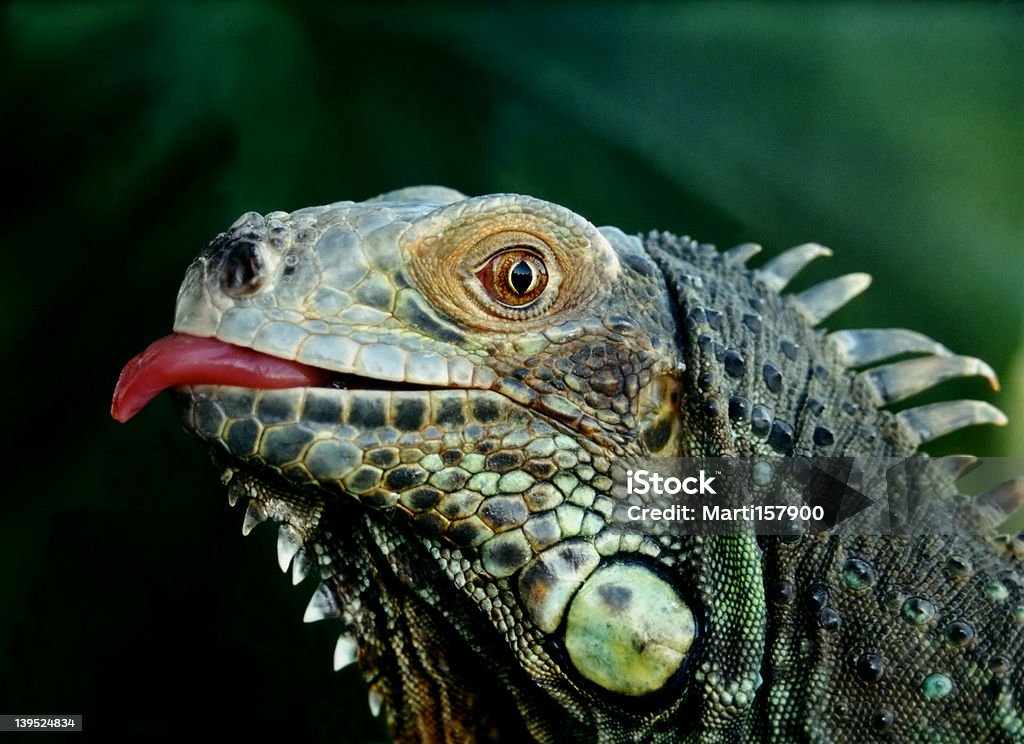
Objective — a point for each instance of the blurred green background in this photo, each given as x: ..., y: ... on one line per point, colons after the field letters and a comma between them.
x: 134, y: 132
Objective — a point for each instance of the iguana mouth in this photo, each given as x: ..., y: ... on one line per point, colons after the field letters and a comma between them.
x: 181, y: 359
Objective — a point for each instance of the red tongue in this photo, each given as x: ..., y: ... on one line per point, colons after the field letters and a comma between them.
x: 189, y: 360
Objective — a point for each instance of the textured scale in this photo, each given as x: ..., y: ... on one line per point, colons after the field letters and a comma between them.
x: 455, y: 484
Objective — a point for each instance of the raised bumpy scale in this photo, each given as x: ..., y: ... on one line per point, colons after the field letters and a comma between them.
x: 439, y: 399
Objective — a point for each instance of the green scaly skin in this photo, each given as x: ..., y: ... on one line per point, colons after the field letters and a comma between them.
x: 458, y: 487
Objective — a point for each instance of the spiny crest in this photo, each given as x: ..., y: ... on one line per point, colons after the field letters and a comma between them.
x: 889, y: 383
x: 779, y: 271
x: 896, y: 381
x: 1000, y: 502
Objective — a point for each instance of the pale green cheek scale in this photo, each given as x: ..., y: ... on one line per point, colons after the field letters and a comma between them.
x: 628, y: 630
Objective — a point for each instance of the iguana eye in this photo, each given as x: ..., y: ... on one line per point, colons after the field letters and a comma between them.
x: 501, y: 258
x: 515, y: 277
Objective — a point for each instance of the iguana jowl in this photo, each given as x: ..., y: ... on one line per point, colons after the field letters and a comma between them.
x: 433, y: 395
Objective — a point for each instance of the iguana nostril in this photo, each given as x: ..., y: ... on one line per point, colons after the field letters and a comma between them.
x: 242, y: 269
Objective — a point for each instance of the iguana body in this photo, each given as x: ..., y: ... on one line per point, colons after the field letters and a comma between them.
x: 444, y: 453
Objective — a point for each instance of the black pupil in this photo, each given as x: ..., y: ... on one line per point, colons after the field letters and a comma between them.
x: 521, y: 277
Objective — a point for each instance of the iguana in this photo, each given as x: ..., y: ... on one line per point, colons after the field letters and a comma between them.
x: 434, y: 396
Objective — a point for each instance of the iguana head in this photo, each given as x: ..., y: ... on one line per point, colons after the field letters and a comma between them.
x: 434, y: 395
